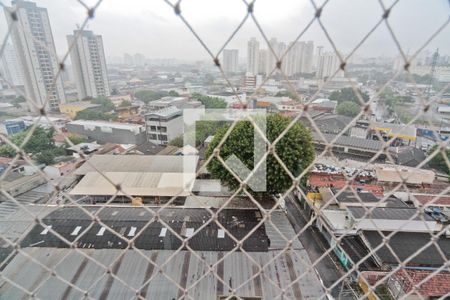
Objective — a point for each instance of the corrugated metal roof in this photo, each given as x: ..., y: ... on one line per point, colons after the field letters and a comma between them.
x: 135, y: 184
x: 347, y: 141
x: 138, y: 274
x: 140, y: 163
x: 405, y: 245
x: 388, y: 213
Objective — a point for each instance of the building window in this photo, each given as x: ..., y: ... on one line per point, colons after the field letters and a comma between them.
x: 152, y: 136
x: 162, y: 137
x: 153, y: 128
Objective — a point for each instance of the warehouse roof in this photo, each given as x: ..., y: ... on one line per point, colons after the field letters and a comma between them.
x: 184, y: 221
x: 135, y: 184
x: 405, y: 245
x: 139, y: 163
x: 388, y: 213
x: 393, y: 173
x: 137, y: 272
x: 347, y: 141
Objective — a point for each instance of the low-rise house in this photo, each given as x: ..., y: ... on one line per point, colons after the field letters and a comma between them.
x: 72, y: 108
x: 10, y: 127
x: 409, y: 283
x: 85, y: 148
x: 164, y: 125
x: 60, y: 169
x: 127, y: 112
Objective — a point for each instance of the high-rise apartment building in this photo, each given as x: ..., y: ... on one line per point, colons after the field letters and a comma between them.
x: 317, y: 55
x: 230, y: 60
x: 10, y: 66
x: 307, y: 57
x: 262, y: 61
x: 271, y: 59
x: 252, y: 56
x: 33, y: 40
x: 328, y: 65
x: 139, y: 60
x: 89, y: 64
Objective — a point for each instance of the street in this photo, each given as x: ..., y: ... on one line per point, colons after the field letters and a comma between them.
x: 315, y: 244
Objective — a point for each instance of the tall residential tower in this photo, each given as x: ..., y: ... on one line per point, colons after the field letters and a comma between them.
x: 33, y: 40
x: 230, y: 60
x: 89, y: 64
x: 252, y: 56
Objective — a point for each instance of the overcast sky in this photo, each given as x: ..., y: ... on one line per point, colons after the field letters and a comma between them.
x: 150, y: 26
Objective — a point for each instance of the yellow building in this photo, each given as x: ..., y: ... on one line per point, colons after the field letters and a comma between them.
x: 117, y: 100
x: 126, y: 112
x: 72, y: 108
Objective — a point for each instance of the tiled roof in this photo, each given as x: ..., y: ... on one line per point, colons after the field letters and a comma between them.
x: 435, y: 285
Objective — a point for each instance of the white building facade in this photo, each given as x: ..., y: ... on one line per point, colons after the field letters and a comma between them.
x: 89, y: 64
x: 33, y: 40
x: 328, y: 64
x: 230, y: 60
x: 252, y: 56
x: 164, y: 125
x: 10, y: 66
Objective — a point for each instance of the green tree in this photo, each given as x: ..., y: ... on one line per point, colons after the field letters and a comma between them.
x: 40, y: 145
x: 177, y: 142
x: 348, y: 108
x: 94, y: 115
x: 147, y: 96
x: 347, y: 94
x: 173, y: 93
x: 438, y: 162
x: 125, y: 103
x: 77, y: 139
x: 209, y: 102
x: 289, y: 94
x: 295, y: 149
x: 106, y: 105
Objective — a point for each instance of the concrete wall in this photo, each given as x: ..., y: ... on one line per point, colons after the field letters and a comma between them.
x: 118, y: 136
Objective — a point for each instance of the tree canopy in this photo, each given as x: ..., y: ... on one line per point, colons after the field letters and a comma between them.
x: 347, y: 94
x: 106, y: 105
x: 94, y: 115
x: 147, y: 96
x: 438, y: 161
x: 289, y: 94
x: 125, y: 103
x: 209, y: 102
x: 40, y: 145
x: 295, y: 149
x: 77, y: 139
x: 348, y: 108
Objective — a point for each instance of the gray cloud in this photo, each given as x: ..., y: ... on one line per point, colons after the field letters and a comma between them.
x: 151, y: 27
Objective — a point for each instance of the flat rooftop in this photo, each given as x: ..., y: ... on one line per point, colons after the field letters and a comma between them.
x: 135, y: 184
x: 123, y: 126
x: 348, y: 141
x: 389, y: 213
x: 139, y: 163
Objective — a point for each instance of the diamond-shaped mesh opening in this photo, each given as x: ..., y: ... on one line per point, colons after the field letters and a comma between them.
x: 353, y: 151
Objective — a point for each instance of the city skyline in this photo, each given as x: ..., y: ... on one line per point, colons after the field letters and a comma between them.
x: 285, y: 25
